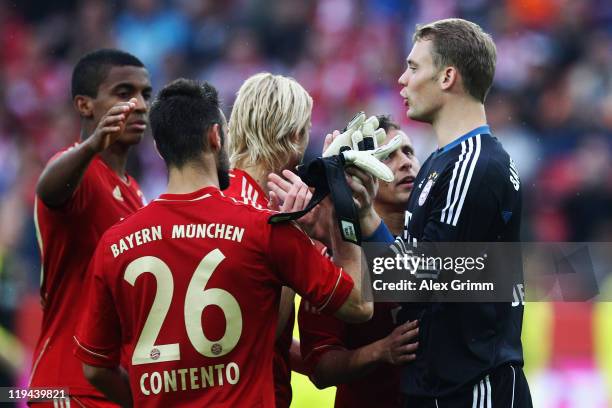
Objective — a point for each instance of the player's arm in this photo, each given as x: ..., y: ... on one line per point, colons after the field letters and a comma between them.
x: 98, y: 335
x: 285, y: 308
x: 348, y: 256
x: 112, y: 382
x: 298, y: 264
x: 364, y: 187
x: 61, y: 177
x: 337, y: 366
x: 295, y: 356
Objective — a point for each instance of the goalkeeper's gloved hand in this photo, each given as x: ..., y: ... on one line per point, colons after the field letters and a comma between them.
x: 358, y: 144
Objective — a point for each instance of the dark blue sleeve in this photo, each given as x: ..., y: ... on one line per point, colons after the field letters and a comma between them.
x: 382, y: 234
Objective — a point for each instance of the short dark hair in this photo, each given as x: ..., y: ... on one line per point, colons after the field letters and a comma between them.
x: 91, y: 70
x: 385, y: 123
x: 465, y: 46
x: 180, y: 116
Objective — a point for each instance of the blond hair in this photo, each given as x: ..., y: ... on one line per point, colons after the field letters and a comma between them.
x: 269, y: 111
x: 467, y: 47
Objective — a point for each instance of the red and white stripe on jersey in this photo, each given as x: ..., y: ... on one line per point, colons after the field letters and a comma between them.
x: 243, y: 186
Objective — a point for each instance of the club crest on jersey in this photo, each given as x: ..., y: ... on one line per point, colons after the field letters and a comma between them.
x: 431, y: 179
x: 155, y: 353
x: 216, y: 349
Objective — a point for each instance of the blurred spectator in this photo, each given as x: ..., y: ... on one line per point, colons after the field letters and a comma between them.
x: 149, y: 30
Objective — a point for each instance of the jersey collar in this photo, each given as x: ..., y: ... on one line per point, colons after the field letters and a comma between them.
x: 478, y: 131
x: 128, y: 179
x: 193, y: 196
x: 262, y: 197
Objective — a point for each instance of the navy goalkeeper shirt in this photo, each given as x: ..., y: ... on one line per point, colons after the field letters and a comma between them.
x: 467, y: 191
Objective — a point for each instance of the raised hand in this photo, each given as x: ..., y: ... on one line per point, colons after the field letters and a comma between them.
x: 111, y: 126
x: 359, y: 144
x: 291, y: 194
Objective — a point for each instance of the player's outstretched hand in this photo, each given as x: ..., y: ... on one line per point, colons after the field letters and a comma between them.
x: 329, y: 139
x: 291, y: 194
x: 399, y: 347
x: 111, y: 125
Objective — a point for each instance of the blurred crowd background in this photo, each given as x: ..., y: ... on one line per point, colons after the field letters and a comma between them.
x: 551, y: 106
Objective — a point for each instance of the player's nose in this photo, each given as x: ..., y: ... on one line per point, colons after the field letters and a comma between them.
x: 403, y: 79
x: 406, y: 162
x: 141, y: 104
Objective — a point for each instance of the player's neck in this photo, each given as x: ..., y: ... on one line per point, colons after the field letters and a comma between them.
x: 457, y: 119
x: 115, y: 158
x: 191, y: 177
x: 392, y: 216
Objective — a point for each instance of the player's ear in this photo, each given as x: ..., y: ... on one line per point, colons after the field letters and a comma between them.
x: 214, y: 137
x: 295, y: 138
x: 84, y: 105
x: 448, y: 77
x: 299, y: 138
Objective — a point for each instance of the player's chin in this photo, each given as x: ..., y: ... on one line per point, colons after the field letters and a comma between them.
x: 412, y: 113
x: 402, y: 195
x: 131, y: 137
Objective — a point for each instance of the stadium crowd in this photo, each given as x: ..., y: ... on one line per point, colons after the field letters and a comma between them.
x: 551, y: 103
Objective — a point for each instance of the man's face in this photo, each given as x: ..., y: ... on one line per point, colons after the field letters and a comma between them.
x: 421, y: 93
x: 223, y: 164
x: 405, y: 166
x: 121, y: 84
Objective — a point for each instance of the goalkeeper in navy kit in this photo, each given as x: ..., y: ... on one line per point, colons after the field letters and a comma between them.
x: 468, y: 190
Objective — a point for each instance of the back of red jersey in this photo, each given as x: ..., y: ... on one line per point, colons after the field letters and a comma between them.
x: 67, y: 238
x: 187, y: 291
x: 243, y: 188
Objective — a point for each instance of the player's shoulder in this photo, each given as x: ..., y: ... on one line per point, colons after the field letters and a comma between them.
x: 238, y: 205
x: 60, y: 152
x: 480, y: 155
x: 498, y: 162
x: 142, y: 216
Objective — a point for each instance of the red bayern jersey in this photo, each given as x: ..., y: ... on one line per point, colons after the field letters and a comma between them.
x: 187, y: 290
x: 320, y: 334
x: 67, y: 237
x: 243, y: 188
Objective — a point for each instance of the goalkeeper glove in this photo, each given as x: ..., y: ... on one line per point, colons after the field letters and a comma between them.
x: 358, y: 144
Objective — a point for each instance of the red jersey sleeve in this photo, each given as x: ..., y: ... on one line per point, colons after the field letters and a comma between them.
x: 301, y: 266
x: 98, y: 335
x: 318, y: 334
